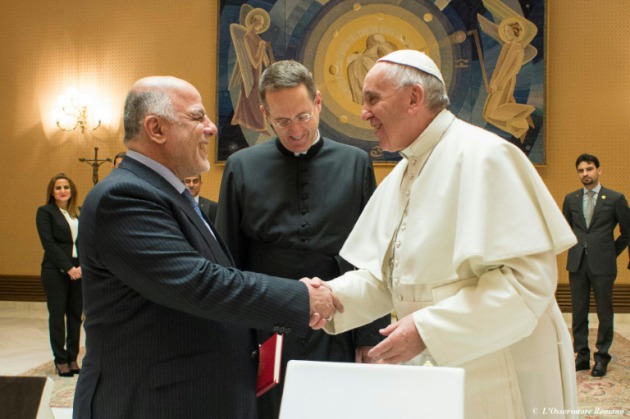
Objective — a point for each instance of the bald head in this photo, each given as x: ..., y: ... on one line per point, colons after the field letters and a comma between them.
x: 159, y: 83
x: 150, y: 96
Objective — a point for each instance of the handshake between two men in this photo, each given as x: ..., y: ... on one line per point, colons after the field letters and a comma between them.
x: 324, y: 304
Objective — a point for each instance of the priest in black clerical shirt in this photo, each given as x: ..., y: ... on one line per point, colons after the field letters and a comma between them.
x: 287, y: 205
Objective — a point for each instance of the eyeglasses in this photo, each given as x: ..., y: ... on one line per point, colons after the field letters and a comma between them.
x: 286, y: 122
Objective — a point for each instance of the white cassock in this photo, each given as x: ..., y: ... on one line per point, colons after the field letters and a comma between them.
x: 463, y: 235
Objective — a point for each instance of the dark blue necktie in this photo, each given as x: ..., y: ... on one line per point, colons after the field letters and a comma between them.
x: 195, y: 205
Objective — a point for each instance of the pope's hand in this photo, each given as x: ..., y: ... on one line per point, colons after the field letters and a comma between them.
x: 403, y: 342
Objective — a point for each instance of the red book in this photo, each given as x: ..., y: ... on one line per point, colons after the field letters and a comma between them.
x: 269, y: 361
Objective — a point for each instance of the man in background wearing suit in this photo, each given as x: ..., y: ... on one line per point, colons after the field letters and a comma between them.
x: 169, y: 322
x: 208, y: 207
x: 593, y: 212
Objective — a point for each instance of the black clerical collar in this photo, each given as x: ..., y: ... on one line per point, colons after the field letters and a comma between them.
x: 312, y: 151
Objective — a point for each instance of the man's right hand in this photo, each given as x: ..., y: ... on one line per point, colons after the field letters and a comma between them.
x: 323, y: 304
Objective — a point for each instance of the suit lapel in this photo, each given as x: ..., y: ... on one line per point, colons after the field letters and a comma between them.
x: 215, y: 243
x: 60, y: 219
x: 216, y: 247
x: 224, y: 247
x: 598, y: 204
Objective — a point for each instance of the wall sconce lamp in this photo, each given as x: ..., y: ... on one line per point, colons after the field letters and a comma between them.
x: 75, y: 111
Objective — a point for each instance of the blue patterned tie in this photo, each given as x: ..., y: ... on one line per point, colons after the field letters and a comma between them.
x: 195, y: 205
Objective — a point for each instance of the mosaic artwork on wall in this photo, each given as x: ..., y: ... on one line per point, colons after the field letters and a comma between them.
x: 491, y: 54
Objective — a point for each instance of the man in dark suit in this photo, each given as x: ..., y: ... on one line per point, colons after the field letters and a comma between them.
x: 169, y: 322
x: 208, y: 207
x: 593, y: 213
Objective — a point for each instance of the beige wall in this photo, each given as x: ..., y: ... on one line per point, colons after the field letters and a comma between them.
x: 105, y: 46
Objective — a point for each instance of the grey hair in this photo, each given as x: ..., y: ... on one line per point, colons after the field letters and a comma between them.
x: 435, y: 91
x: 283, y: 75
x: 141, y: 103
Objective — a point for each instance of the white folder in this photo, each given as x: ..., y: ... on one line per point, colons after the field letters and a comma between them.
x: 335, y: 390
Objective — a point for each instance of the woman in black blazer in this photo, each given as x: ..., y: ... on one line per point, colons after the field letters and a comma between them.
x: 58, y: 225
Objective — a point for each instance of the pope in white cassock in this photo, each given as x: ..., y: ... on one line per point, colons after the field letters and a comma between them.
x: 461, y: 241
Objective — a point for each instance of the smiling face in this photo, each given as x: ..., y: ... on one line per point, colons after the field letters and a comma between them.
x: 294, y: 104
x: 187, y: 138
x: 62, y: 193
x: 386, y: 108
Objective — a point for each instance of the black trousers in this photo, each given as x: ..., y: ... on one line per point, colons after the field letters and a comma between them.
x: 581, y: 283
x: 65, y: 307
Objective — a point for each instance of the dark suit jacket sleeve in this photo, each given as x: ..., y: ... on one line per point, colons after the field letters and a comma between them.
x: 574, y: 255
x: 566, y: 211
x: 52, y: 238
x: 148, y: 242
x: 622, y: 212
